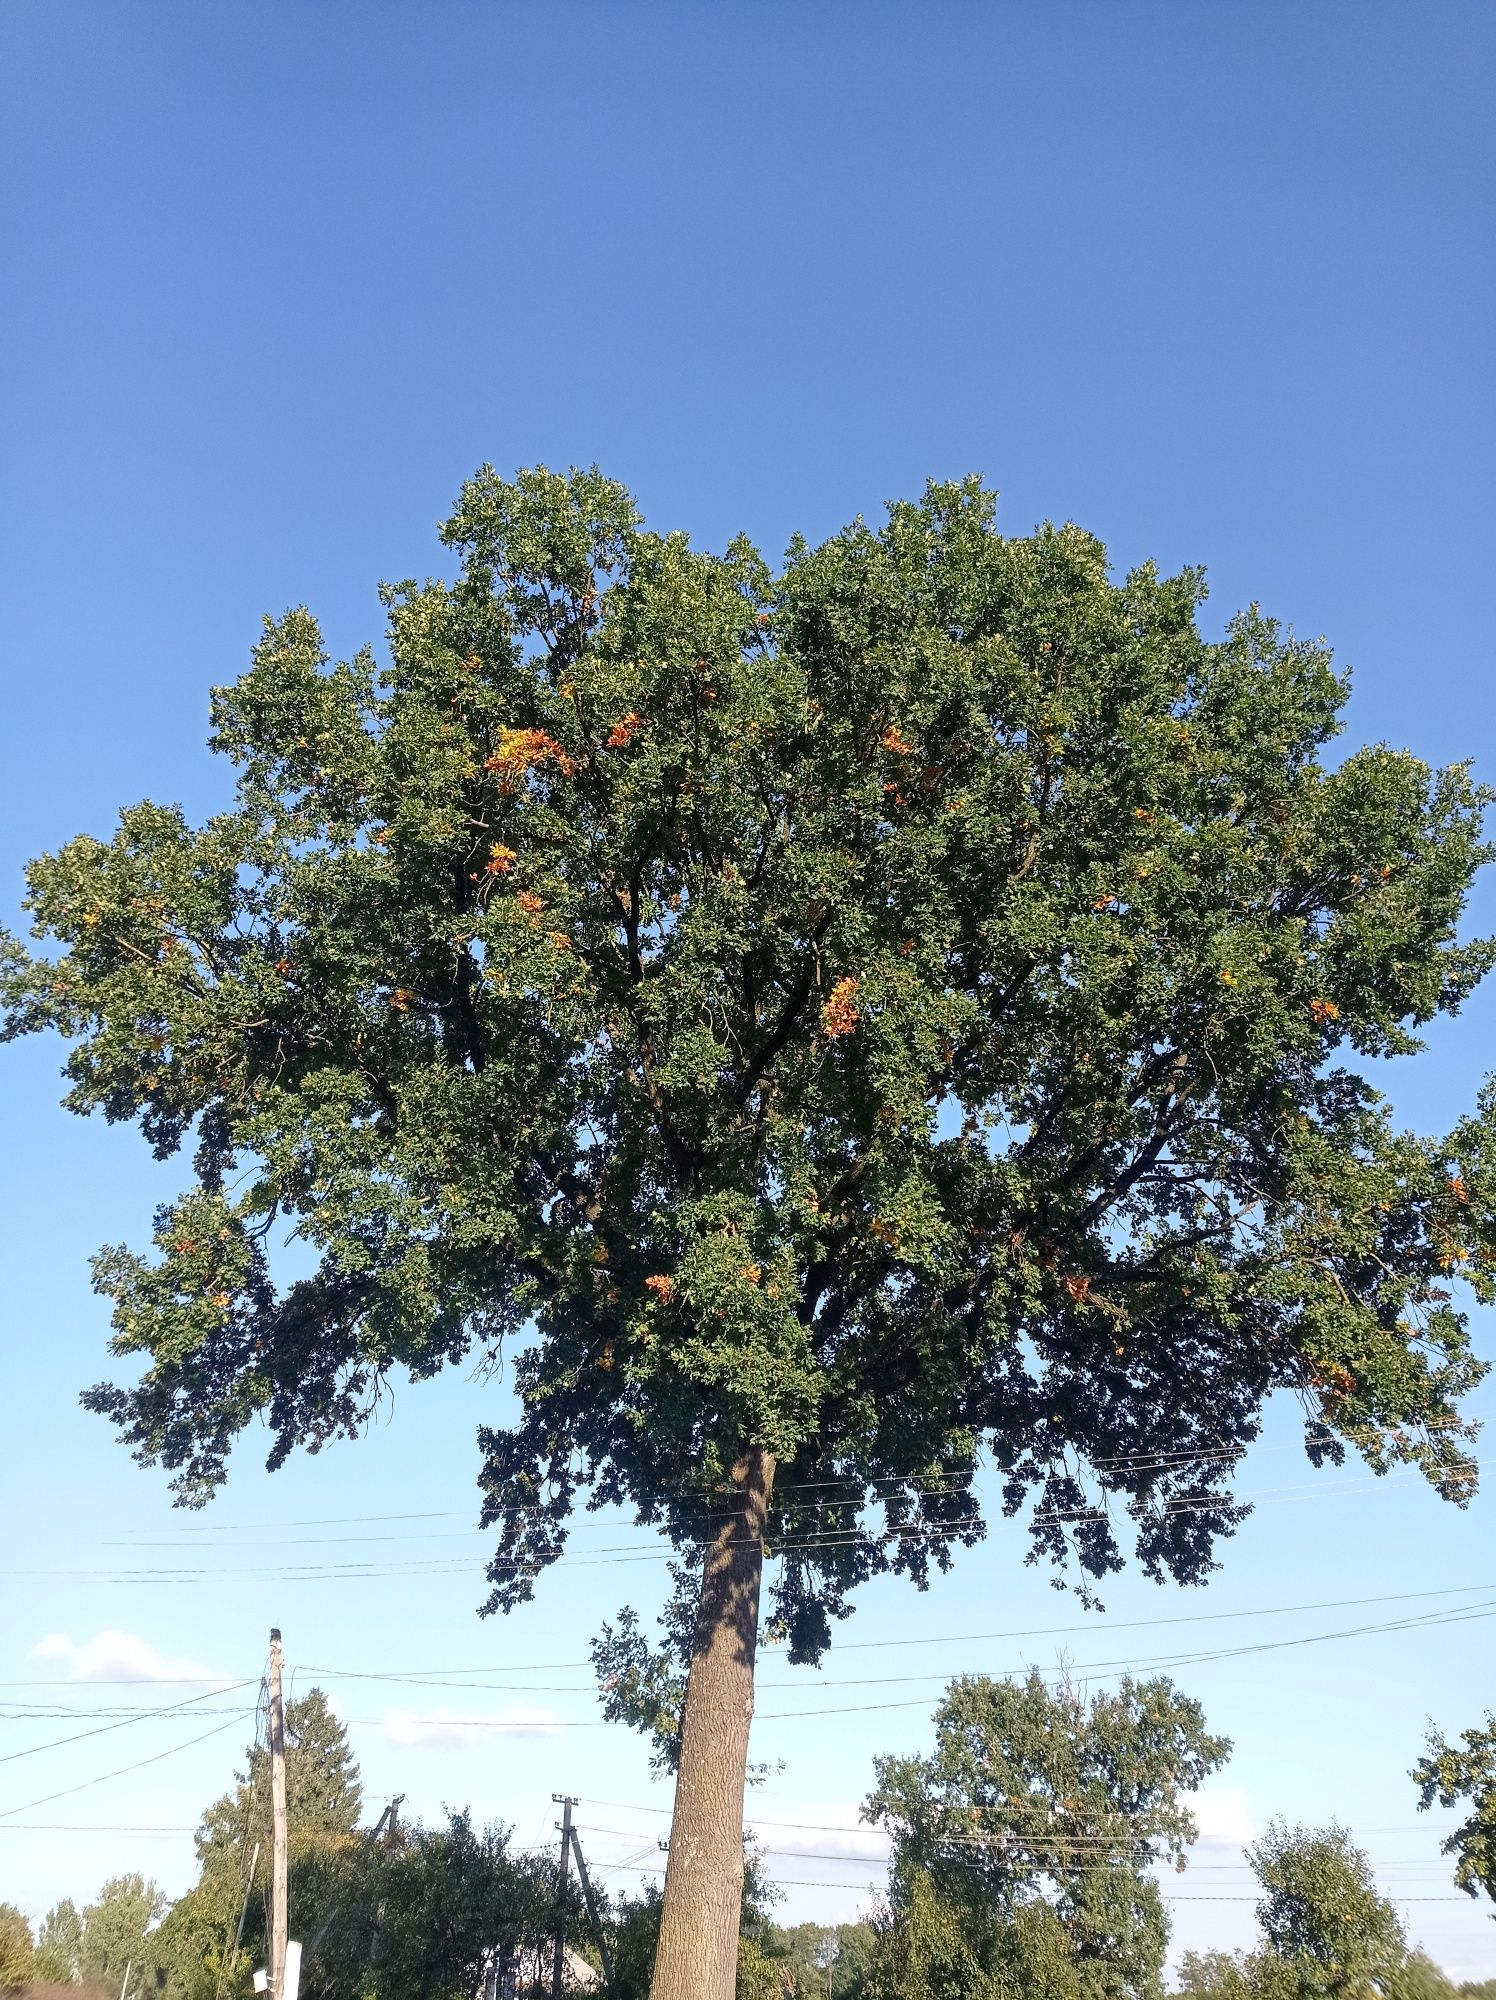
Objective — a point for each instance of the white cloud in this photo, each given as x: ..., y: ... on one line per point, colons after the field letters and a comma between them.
x: 118, y: 1656
x: 821, y: 1826
x: 452, y: 1729
x: 1222, y: 1815
x: 862, y: 1843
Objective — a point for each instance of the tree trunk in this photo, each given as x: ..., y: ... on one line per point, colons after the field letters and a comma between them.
x: 697, y: 1958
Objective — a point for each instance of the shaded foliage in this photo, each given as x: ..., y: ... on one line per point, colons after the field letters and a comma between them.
x: 1454, y: 1773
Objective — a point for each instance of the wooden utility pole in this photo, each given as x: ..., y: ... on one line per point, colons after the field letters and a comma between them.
x: 599, y: 1936
x: 558, y: 1969
x: 275, y: 1964
x: 249, y: 1883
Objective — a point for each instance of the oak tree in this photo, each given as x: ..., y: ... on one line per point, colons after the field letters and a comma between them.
x: 834, y: 1026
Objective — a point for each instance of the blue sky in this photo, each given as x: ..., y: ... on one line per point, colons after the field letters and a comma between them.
x: 1216, y: 282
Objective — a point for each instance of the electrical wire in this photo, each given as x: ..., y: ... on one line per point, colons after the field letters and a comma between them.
x: 628, y: 1553
x: 104, y: 1776
x: 794, y: 1882
x: 827, y: 1826
x: 870, y: 1488
x: 1080, y: 1671
x: 142, y: 1715
x: 418, y: 1676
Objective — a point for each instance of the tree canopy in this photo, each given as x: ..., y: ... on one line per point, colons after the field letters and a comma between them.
x: 838, y: 1021
x: 1035, y: 1822
x: 1465, y: 1770
x: 1327, y: 1932
x: 873, y: 1008
x: 16, y: 1949
x: 324, y: 1794
x: 1322, y: 1918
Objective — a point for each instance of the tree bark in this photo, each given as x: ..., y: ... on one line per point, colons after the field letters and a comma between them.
x: 697, y: 1957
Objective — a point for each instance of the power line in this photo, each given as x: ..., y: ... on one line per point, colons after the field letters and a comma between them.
x: 870, y: 1490
x: 1081, y: 1670
x: 423, y: 1675
x: 1037, y: 1856
x: 54, y: 1826
x: 142, y: 1715
x: 628, y: 1553
x: 794, y: 1882
x: 429, y: 1676
x: 827, y: 1826
x: 105, y: 1776
x: 871, y: 1494
x: 1442, y: 1617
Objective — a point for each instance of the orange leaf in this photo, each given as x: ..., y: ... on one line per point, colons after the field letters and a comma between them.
x: 839, y: 1016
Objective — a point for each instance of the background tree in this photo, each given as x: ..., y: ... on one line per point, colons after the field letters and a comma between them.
x: 117, y: 1926
x: 935, y: 1945
x: 1214, y: 1975
x: 59, y: 1944
x: 1037, y: 1801
x: 195, y: 1943
x: 816, y: 1959
x: 17, y: 1950
x: 324, y: 1793
x: 419, y: 1918
x: 1327, y: 1930
x: 1418, y: 1978
x: 856, y: 1018
x: 1451, y: 1773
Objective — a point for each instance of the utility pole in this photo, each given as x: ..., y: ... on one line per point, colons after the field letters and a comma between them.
x: 599, y: 1938
x: 275, y: 1964
x: 558, y: 1970
x: 249, y: 1883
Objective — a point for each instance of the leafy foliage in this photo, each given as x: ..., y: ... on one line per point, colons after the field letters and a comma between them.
x: 1214, y: 1975
x: 59, y: 1944
x: 869, y: 1010
x: 645, y: 1685
x: 419, y: 1917
x: 323, y: 1792
x: 1466, y: 1770
x: 1328, y: 1934
x: 814, y: 1959
x: 1032, y: 1828
x: 1418, y: 1978
x: 116, y: 1927
x: 16, y: 1949
x: 1320, y: 1912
